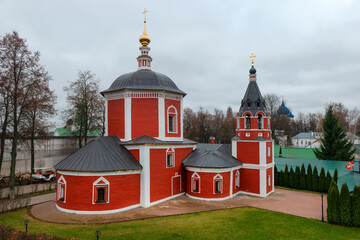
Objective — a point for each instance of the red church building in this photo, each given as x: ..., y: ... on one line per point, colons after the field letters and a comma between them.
x: 144, y: 159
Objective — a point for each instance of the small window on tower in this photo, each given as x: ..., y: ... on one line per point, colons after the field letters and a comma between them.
x: 248, y: 104
x: 171, y: 123
x: 172, y: 120
x: 247, y: 121
x: 170, y: 158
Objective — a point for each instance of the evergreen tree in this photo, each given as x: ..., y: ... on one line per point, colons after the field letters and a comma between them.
x: 281, y: 178
x: 309, y: 178
x: 335, y: 177
x: 355, y: 209
x: 327, y: 181
x: 292, y: 178
x: 286, y: 176
x: 334, y: 144
x: 302, y: 177
x: 345, y: 206
x: 297, y: 178
x: 276, y: 176
x: 333, y: 204
x: 315, y: 180
x: 322, y: 183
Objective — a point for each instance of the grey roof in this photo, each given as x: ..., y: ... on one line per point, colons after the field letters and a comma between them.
x: 211, y: 156
x: 100, y: 155
x: 252, y: 96
x: 151, y: 140
x: 144, y: 80
x: 305, y: 135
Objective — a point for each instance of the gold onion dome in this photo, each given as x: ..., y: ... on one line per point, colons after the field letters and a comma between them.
x: 144, y: 38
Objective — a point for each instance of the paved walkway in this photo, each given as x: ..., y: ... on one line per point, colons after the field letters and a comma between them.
x: 291, y: 202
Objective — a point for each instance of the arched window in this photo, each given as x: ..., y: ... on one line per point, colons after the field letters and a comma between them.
x: 195, y: 183
x: 218, y: 184
x: 101, y: 191
x: 260, y: 121
x: 172, y: 119
x: 170, y: 158
x: 61, y: 186
x: 247, y: 121
x: 237, y: 179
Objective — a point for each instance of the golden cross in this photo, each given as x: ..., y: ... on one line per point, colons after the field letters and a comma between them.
x: 144, y: 12
x: 252, y: 58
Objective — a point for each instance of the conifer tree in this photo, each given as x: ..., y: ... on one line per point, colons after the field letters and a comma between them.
x: 335, y: 177
x: 309, y: 178
x: 315, y: 180
x: 345, y: 206
x: 334, y: 144
x: 286, y: 176
x: 333, y: 204
x: 355, y: 208
x: 322, y: 183
x: 281, y: 178
x: 302, y: 177
x: 327, y: 181
x: 276, y: 176
x: 297, y: 178
x: 292, y: 178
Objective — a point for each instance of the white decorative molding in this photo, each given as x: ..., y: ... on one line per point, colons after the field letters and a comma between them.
x: 97, y: 212
x: 127, y: 111
x: 212, y: 170
x: 161, y: 111
x: 115, y: 173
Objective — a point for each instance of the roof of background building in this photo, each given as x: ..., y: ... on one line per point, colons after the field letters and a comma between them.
x: 357, y: 148
x: 301, y: 153
x: 305, y: 135
x: 144, y: 80
x: 283, y: 110
x: 211, y: 156
x: 66, y: 132
x: 101, y: 155
x: 151, y: 140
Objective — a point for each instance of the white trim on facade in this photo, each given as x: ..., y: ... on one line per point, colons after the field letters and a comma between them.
x: 127, y: 111
x: 106, y: 185
x: 99, y: 173
x: 218, y: 178
x: 161, y: 111
x: 130, y: 147
x: 172, y: 183
x: 257, y: 166
x: 195, y: 177
x: 97, y: 212
x: 106, y: 118
x: 263, y: 184
x: 175, y: 120
x: 212, y: 170
x: 61, y: 181
x: 145, y: 176
x: 165, y: 199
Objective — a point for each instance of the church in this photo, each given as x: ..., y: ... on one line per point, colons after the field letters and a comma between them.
x: 144, y: 159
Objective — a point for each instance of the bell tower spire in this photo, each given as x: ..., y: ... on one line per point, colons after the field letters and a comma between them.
x: 144, y: 59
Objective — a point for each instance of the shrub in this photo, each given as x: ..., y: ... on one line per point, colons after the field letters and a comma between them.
x: 345, y: 206
x: 315, y: 180
x: 355, y: 208
x: 281, y: 178
x: 335, y: 177
x: 297, y: 178
x: 286, y: 176
x: 309, y: 178
x: 333, y: 204
x: 292, y: 178
x: 7, y: 232
x: 302, y: 177
x: 276, y: 176
x: 322, y: 183
x: 327, y: 181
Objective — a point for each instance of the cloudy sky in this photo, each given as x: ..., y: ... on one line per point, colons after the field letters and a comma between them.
x: 307, y: 51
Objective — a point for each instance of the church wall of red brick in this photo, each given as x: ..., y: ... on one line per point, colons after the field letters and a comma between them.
x: 116, y: 118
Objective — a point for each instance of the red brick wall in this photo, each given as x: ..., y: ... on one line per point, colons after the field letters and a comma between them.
x: 160, y: 175
x: 250, y: 180
x: 176, y: 104
x: 207, y: 185
x: 135, y: 153
x: 144, y: 117
x: 269, y: 158
x: 269, y: 173
x: 116, y: 118
x: 124, y: 192
x: 248, y: 152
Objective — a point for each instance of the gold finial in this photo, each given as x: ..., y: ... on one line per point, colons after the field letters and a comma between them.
x: 144, y: 38
x: 252, y: 58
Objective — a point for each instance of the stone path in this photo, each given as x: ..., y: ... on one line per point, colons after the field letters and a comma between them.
x: 286, y: 201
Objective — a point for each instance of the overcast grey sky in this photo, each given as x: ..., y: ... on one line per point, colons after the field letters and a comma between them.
x: 307, y: 51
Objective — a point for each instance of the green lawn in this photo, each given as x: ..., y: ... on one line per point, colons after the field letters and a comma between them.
x: 239, y: 223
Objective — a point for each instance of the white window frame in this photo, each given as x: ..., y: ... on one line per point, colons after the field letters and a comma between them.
x: 175, y: 120
x: 170, y: 152
x: 97, y: 185
x: 195, y: 177
x: 269, y: 180
x: 237, y: 179
x: 218, y: 178
x: 247, y: 134
x: 61, y: 182
x: 260, y: 134
x: 269, y: 151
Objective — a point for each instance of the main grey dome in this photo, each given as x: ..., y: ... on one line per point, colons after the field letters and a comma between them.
x: 144, y: 80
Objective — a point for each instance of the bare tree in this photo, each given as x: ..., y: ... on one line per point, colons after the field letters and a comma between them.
x: 18, y: 64
x: 272, y: 102
x: 4, y: 113
x: 86, y: 105
x: 41, y: 106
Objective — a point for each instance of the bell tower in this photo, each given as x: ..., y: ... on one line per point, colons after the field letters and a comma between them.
x: 253, y: 144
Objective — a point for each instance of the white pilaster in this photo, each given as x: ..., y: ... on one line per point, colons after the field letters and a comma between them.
x: 262, y: 153
x: 233, y: 149
x: 127, y: 111
x: 181, y: 118
x: 145, y: 176
x: 263, y: 182
x: 161, y: 110
x: 106, y: 118
x: 231, y: 181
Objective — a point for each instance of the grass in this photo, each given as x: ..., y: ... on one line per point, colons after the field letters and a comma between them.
x: 239, y: 223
